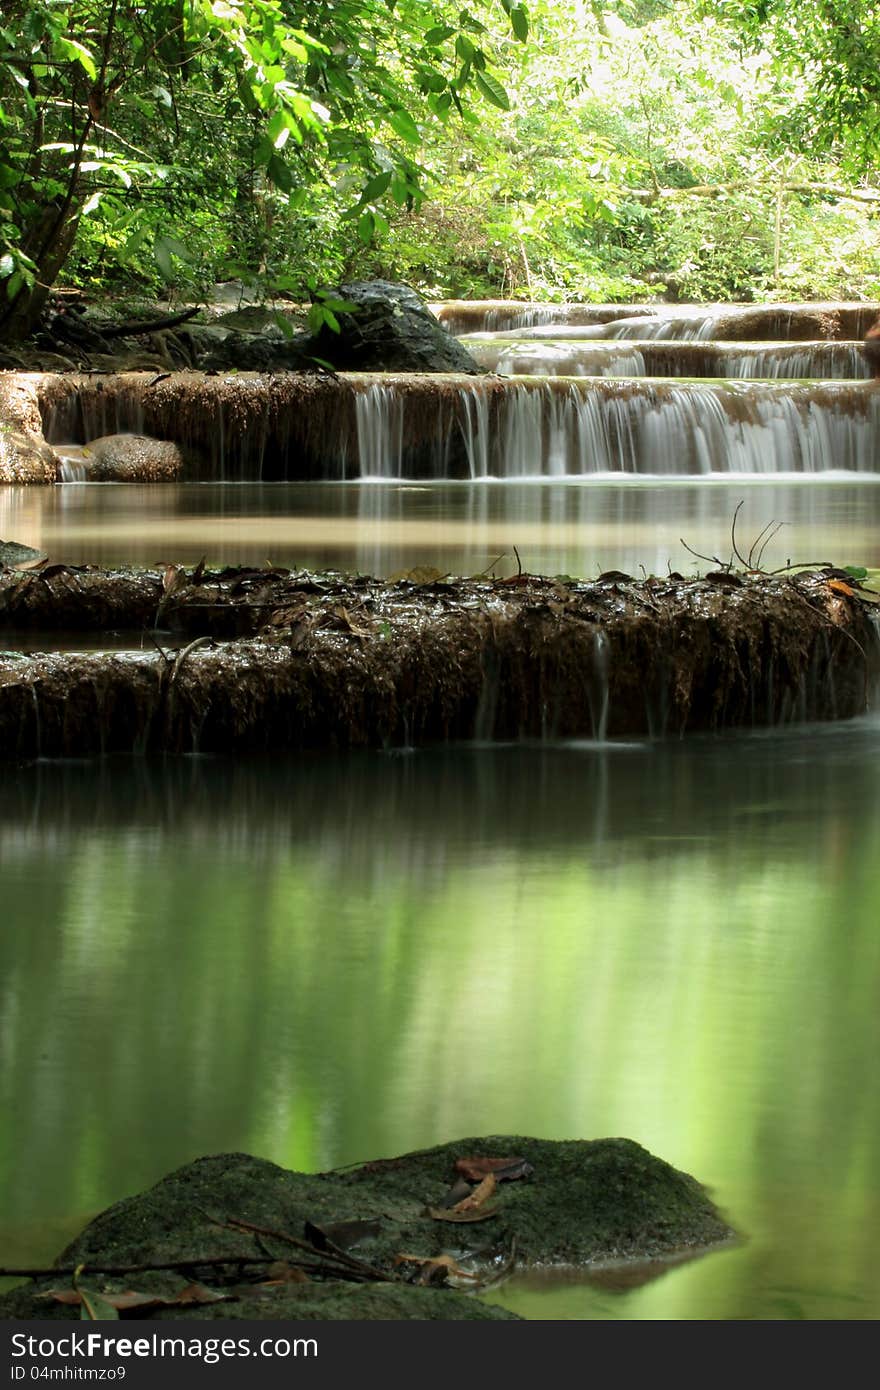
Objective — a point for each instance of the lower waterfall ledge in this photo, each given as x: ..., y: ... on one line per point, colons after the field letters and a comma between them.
x: 370, y: 1241
x: 259, y: 660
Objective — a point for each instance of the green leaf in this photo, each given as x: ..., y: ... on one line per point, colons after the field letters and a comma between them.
x: 464, y: 48
x: 278, y: 130
x: 366, y: 227
x: 856, y: 571
x: 438, y: 35
x: 77, y: 52
x: 519, y: 22
x: 402, y: 123
x: 492, y: 90
x: 375, y: 187
x: 7, y: 266
x: 163, y: 249
x: 279, y: 174
x: 284, y: 324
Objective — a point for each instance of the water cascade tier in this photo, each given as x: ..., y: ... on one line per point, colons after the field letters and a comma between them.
x: 706, y: 322
x: 527, y: 356
x: 269, y: 660
x: 298, y: 427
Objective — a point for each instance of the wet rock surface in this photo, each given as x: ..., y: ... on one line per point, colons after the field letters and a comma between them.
x: 333, y: 1242
x: 257, y: 660
x: 131, y: 458
x: 390, y: 329
x: 25, y: 457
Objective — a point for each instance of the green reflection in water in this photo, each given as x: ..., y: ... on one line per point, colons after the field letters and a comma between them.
x: 327, y: 960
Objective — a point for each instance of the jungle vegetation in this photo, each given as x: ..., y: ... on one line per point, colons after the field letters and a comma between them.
x: 697, y: 149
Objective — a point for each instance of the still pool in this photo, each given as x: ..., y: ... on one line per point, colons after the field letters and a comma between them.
x: 323, y: 960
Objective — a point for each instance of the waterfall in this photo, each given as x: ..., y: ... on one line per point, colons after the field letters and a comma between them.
x: 671, y: 358
x: 379, y: 416
x: 590, y: 427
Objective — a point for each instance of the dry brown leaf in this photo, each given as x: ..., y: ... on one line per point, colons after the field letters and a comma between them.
x: 479, y: 1196
x: 420, y: 574
x: 126, y: 1302
x: 174, y: 578
x: 504, y: 1169
x: 840, y: 587
x: 478, y: 1214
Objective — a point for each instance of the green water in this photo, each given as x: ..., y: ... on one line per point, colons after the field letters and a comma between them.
x: 327, y: 960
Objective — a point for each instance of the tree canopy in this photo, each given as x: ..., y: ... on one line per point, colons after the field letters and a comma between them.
x: 563, y: 149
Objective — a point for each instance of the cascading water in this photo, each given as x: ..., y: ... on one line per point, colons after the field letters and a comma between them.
x: 379, y: 415
x: 538, y: 428
x: 750, y: 361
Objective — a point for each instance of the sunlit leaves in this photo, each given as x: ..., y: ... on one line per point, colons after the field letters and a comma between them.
x: 492, y: 90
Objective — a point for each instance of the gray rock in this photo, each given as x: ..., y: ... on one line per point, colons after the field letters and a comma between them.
x: 391, y: 330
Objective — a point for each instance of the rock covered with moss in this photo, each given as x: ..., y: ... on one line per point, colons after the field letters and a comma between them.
x: 376, y: 1240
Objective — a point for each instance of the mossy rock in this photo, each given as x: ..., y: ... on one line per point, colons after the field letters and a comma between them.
x: 580, y: 1202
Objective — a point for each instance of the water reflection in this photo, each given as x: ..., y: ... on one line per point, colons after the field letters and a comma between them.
x: 321, y: 960
x: 574, y: 527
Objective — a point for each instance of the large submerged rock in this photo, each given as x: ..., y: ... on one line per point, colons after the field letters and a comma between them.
x: 577, y: 1203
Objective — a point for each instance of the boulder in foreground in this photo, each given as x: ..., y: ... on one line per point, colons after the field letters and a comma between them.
x: 374, y: 1241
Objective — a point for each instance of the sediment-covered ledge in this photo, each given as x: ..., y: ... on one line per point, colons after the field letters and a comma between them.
x: 298, y: 427
x: 232, y: 1236
x: 255, y: 660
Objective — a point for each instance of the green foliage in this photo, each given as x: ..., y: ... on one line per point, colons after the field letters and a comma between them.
x: 124, y: 120
x: 562, y: 149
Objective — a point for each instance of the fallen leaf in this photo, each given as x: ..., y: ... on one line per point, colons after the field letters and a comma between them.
x: 420, y: 574
x: 504, y: 1169
x: 480, y: 1214
x: 840, y: 588
x: 131, y: 1300
x: 480, y: 1195
x: 455, y: 1194
x: 174, y: 578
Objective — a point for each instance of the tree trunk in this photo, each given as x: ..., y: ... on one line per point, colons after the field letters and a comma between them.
x: 49, y: 242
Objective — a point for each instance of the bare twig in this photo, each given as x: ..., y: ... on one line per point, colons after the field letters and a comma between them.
x: 352, y: 1265
x: 181, y: 1266
x: 182, y: 655
x: 755, y: 542
x: 775, y: 532
x: 742, y: 559
x: 710, y: 559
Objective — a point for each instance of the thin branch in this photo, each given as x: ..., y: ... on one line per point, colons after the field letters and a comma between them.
x: 181, y: 1266
x: 710, y: 559
x: 742, y: 559
x: 756, y: 540
x: 774, y: 532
